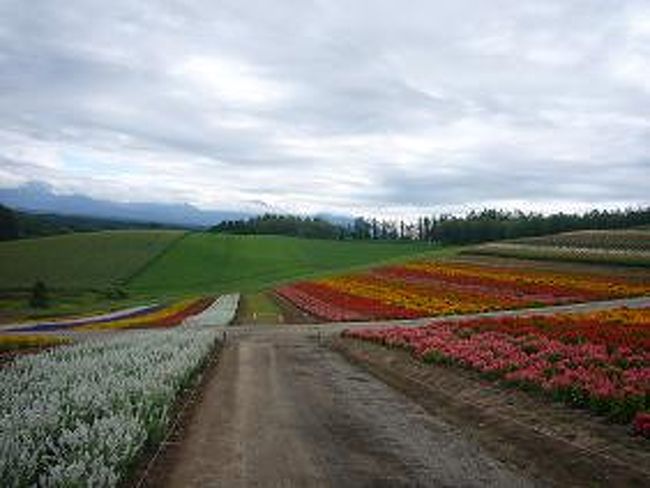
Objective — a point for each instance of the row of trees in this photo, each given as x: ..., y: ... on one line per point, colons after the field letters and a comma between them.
x: 287, y: 225
x: 9, y: 226
x: 486, y: 225
x: 491, y: 225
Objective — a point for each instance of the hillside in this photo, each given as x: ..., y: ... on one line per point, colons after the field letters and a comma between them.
x: 80, y: 261
x: 209, y: 262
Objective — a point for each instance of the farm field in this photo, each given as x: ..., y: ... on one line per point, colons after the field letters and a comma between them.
x: 626, y: 239
x: 429, y: 288
x: 222, y: 263
x: 80, y: 261
x: 623, y: 247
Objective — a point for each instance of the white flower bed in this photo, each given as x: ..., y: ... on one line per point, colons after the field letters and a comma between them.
x: 221, y: 312
x: 78, y: 415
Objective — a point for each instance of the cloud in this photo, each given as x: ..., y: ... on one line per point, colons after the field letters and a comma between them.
x: 363, y: 107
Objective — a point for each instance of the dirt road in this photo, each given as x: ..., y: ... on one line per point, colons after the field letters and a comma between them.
x: 283, y: 411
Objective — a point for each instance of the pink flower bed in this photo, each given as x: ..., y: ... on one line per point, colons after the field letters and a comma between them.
x: 613, y: 381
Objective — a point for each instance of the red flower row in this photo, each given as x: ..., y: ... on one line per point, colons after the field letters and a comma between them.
x: 336, y: 306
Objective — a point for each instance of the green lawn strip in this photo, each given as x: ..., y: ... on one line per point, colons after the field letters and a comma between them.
x: 258, y: 308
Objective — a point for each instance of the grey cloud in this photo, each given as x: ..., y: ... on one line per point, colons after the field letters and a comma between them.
x: 329, y: 104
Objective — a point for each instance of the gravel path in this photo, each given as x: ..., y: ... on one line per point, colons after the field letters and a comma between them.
x: 283, y: 411
x: 332, y: 328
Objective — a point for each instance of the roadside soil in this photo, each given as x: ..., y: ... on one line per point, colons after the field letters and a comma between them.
x: 546, y: 440
x: 293, y: 314
x: 284, y: 410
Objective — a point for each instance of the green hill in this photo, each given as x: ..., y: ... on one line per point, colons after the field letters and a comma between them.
x: 80, y: 270
x: 216, y: 263
x: 80, y: 261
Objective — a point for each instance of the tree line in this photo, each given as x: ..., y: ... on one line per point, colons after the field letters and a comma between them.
x: 287, y: 225
x: 474, y: 227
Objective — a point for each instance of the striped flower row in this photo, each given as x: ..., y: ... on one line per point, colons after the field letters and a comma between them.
x: 141, y: 317
x: 424, y: 289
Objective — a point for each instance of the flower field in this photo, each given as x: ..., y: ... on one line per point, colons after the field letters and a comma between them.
x: 598, y: 360
x: 423, y: 289
x: 139, y: 317
x: 80, y: 415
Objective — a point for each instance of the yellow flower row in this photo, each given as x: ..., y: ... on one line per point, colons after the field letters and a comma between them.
x: 395, y: 293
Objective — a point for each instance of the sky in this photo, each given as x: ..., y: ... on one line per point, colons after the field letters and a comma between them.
x: 366, y: 107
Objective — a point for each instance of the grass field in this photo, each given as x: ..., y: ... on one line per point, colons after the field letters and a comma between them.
x: 209, y: 263
x: 258, y: 308
x: 80, y: 261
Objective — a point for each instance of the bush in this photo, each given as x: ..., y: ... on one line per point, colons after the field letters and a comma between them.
x: 116, y: 293
x: 39, y: 298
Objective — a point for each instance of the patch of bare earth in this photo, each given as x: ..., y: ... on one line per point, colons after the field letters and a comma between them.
x: 548, y: 441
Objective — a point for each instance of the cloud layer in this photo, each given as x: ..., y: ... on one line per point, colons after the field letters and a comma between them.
x: 367, y: 107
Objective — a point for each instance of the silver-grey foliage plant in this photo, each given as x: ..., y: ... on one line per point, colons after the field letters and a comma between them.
x: 78, y: 415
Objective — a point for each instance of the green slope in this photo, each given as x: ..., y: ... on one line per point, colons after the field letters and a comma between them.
x: 219, y: 263
x: 80, y: 261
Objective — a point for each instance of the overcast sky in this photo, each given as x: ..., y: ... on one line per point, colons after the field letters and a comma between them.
x: 361, y: 107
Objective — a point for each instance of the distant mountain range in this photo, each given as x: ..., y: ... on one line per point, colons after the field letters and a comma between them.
x: 41, y: 197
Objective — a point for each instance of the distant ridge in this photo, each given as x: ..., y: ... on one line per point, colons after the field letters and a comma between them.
x: 40, y: 197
